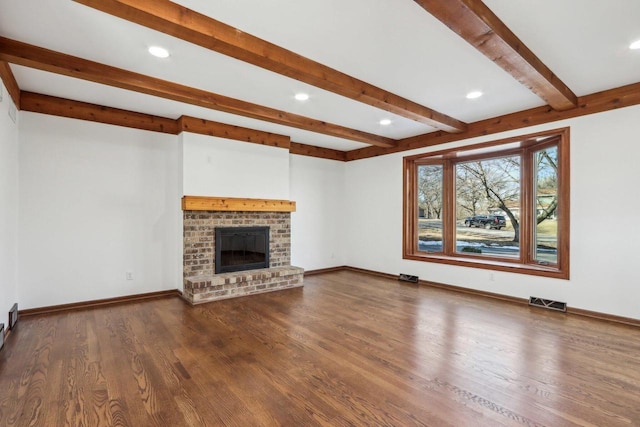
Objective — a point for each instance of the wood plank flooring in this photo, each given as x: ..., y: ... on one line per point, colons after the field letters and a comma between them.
x: 348, y: 349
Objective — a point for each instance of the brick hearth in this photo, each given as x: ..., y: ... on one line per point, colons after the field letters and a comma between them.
x: 198, y: 289
x: 200, y: 282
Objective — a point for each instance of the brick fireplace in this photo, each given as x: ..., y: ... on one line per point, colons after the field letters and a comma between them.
x: 201, y: 215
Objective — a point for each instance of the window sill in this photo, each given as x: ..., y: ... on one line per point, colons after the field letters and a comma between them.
x: 490, y: 264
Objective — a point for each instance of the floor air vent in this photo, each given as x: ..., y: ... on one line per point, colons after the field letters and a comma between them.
x: 408, y: 278
x: 13, y: 316
x: 547, y: 303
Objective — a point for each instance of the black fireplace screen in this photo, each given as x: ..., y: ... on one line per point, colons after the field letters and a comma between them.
x: 241, y: 248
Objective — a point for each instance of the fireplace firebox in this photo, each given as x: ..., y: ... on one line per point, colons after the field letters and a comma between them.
x: 241, y: 248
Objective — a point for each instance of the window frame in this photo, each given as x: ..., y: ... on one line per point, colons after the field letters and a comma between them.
x: 526, y: 145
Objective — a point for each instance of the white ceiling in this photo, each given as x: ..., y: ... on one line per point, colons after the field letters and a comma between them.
x: 393, y: 44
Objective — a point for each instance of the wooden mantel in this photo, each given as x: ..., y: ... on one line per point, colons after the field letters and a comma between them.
x: 202, y: 203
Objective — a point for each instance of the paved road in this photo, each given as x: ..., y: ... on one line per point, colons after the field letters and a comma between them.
x: 473, y: 233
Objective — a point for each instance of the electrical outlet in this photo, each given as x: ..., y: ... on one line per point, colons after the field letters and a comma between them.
x: 129, y: 275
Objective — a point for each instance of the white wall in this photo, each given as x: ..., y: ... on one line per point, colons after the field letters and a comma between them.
x: 220, y: 167
x: 96, y: 201
x: 605, y: 231
x: 8, y: 207
x: 317, y: 226
x: 225, y: 168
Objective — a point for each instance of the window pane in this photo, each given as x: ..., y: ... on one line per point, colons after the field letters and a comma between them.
x: 488, y: 207
x: 430, y: 208
x: 546, y: 199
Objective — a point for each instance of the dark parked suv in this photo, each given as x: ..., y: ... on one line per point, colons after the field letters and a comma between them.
x: 486, y: 221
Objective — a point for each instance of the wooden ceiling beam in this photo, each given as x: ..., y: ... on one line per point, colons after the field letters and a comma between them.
x: 319, y: 152
x: 62, y: 107
x: 477, y: 24
x: 186, y: 24
x: 24, y: 54
x: 625, y: 96
x: 10, y: 83
x: 223, y: 130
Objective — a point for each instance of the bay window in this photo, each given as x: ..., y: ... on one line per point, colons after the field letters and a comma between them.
x: 501, y: 205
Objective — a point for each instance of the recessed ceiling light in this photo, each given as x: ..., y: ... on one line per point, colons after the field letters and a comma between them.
x: 635, y: 45
x: 385, y: 122
x: 475, y: 94
x: 301, y: 96
x: 159, y: 52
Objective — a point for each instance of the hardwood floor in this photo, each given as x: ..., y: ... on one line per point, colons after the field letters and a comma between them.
x: 346, y: 350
